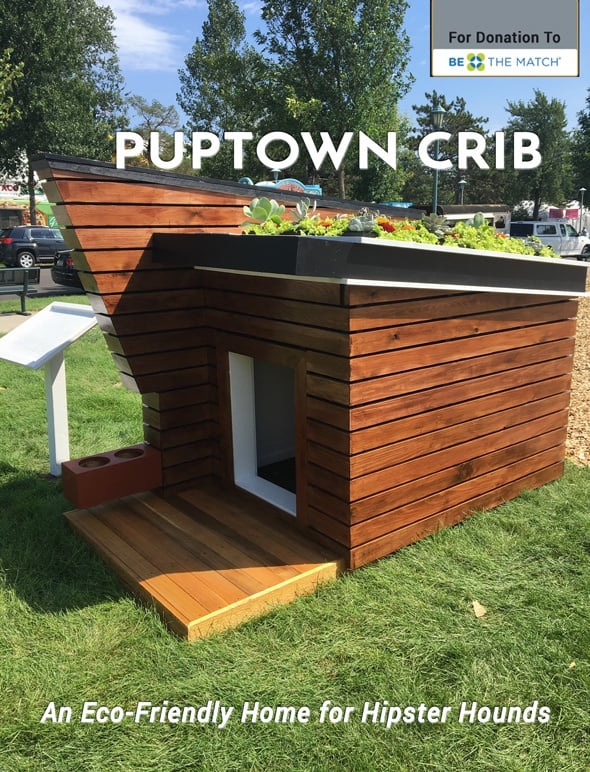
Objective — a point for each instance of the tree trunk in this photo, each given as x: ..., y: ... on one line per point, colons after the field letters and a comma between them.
x: 31, y: 184
x: 341, y: 184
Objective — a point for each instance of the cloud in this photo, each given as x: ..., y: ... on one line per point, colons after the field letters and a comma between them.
x: 143, y: 42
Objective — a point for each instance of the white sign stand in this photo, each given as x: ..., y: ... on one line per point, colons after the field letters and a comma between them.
x: 41, y: 340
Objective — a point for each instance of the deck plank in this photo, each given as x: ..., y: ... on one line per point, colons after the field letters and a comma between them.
x: 208, y: 559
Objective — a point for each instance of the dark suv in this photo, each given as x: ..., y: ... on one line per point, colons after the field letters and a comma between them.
x: 26, y: 245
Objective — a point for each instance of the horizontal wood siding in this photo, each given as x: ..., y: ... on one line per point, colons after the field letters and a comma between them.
x: 459, y: 403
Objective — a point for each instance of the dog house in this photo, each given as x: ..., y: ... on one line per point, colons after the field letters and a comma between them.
x: 354, y: 395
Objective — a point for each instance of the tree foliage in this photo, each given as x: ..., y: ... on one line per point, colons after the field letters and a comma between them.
x: 69, y: 96
x: 551, y: 181
x: 221, y: 86
x: 320, y: 66
x: 581, y: 151
x: 9, y: 74
x: 482, y: 185
x: 340, y: 66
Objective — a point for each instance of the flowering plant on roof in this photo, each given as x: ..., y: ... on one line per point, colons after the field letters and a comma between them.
x: 266, y: 219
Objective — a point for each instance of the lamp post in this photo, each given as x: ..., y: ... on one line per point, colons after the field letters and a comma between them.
x: 436, y: 118
x: 581, y: 191
x: 462, y: 184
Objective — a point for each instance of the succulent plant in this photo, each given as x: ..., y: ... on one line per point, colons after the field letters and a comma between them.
x: 364, y: 222
x: 478, y: 220
x: 437, y: 224
x: 263, y: 209
x: 304, y: 210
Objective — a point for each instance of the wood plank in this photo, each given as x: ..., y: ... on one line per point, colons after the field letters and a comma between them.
x: 422, y: 356
x: 233, y: 562
x: 328, y: 317
x: 147, y: 302
x: 453, y: 306
x: 260, y: 603
x: 300, y: 335
x: 368, y: 441
x: 168, y: 340
x: 257, y: 520
x: 154, y: 215
x: 328, y: 526
x: 380, y: 547
x: 142, y: 364
x: 473, y: 326
x: 328, y: 389
x: 181, y: 435
x: 366, y: 295
x: 504, y: 363
x: 330, y: 436
x: 337, y: 416
x: 135, y: 324
x: 337, y: 484
x: 114, y: 259
x: 365, y: 416
x: 177, y: 398
x: 289, y: 289
x: 136, y: 572
x: 119, y: 238
x: 406, y: 490
x: 170, y: 419
x: 212, y: 588
x: 183, y: 454
x: 107, y: 191
x: 452, y: 455
x: 437, y: 440
x: 140, y: 280
x: 190, y: 472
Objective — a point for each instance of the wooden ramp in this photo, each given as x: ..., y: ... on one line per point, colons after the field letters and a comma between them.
x: 208, y: 558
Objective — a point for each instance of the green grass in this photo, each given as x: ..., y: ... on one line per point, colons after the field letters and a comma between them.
x: 401, y: 630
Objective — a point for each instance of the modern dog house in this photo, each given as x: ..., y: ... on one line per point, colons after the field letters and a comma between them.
x: 313, y: 404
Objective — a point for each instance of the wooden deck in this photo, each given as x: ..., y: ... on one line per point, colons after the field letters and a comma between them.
x: 208, y: 558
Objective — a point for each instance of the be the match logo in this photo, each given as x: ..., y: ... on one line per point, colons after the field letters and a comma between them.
x: 476, y: 62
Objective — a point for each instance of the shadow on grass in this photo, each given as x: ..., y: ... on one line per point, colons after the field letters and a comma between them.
x: 41, y: 559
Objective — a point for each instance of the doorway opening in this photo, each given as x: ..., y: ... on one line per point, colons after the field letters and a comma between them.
x: 263, y: 429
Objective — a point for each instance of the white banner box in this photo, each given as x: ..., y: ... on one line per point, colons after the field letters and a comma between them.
x: 504, y: 38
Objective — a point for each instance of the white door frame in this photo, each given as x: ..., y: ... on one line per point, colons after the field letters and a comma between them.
x: 243, y: 422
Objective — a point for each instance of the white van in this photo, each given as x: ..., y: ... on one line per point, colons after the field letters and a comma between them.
x: 557, y: 234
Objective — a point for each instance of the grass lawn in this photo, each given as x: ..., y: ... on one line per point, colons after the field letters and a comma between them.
x: 402, y: 630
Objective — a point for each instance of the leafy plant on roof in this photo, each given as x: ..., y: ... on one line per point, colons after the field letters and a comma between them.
x: 364, y: 222
x: 263, y: 210
x: 434, y: 229
x: 304, y: 210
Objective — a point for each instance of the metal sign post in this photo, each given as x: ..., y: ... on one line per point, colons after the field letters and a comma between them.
x: 41, y: 341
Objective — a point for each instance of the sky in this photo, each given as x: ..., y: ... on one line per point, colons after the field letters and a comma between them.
x: 155, y: 36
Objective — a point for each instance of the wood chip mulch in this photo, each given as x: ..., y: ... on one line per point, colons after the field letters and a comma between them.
x: 578, y: 436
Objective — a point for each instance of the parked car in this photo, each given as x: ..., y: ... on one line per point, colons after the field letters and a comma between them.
x: 560, y: 236
x: 63, y: 270
x: 26, y: 245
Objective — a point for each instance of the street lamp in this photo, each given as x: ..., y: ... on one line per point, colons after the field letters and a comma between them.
x: 582, y: 191
x: 436, y: 117
x: 462, y: 184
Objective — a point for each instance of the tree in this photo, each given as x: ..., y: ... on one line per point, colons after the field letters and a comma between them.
x: 68, y: 99
x: 581, y: 150
x: 551, y: 181
x: 483, y: 185
x: 148, y: 117
x: 221, y: 87
x: 344, y: 61
x: 9, y: 74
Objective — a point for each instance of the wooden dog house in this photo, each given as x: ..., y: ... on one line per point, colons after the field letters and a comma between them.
x: 320, y: 387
